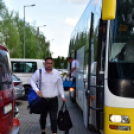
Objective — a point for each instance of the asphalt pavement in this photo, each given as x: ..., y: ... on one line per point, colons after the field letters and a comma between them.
x: 29, y: 123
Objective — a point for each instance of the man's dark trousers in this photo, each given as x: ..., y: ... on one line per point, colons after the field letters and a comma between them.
x: 49, y: 105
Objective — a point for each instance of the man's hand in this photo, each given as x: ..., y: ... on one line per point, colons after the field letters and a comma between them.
x: 64, y: 99
x: 39, y: 94
x: 71, y: 72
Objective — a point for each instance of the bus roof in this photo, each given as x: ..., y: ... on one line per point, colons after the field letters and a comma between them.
x: 3, y: 48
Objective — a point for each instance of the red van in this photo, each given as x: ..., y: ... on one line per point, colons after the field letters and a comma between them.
x: 8, y: 123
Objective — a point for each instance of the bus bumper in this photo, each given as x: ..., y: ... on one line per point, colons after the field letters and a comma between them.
x: 118, y: 127
x: 16, y: 127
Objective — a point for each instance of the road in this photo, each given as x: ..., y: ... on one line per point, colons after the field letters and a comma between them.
x: 29, y: 123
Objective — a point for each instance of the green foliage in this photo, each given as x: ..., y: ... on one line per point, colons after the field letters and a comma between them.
x: 12, y: 36
x: 58, y: 61
x: 44, y: 47
x: 63, y: 74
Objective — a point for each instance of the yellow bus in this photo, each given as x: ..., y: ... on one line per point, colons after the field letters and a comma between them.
x: 103, y: 44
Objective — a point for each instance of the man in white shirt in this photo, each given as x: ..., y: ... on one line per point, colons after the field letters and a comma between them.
x: 51, y: 87
x: 74, y: 66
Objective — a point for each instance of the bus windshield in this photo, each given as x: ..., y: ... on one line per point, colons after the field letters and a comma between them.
x: 121, y: 43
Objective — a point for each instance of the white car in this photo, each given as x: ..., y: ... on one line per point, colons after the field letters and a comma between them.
x: 24, y: 69
x: 63, y: 71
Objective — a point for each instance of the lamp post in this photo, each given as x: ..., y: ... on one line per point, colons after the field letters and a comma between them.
x: 38, y: 39
x: 24, y: 25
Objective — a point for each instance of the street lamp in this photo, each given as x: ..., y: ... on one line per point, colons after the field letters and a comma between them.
x: 38, y: 38
x: 24, y: 25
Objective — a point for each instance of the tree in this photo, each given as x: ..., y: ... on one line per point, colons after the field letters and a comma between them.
x: 58, y: 61
x: 44, y: 47
x: 10, y: 35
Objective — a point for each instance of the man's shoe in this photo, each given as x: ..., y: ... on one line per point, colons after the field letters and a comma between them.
x: 43, y: 133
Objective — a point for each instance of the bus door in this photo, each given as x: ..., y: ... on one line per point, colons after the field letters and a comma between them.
x: 6, y: 94
x: 95, y: 71
x: 92, y: 77
x: 79, y: 76
x: 81, y: 91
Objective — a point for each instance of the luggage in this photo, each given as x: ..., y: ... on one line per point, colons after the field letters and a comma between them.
x: 67, y: 84
x: 64, y: 120
x: 34, y: 100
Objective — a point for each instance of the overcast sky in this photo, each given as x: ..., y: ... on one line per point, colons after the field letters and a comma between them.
x: 60, y: 16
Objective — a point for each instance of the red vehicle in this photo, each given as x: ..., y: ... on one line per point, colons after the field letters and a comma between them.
x: 8, y: 123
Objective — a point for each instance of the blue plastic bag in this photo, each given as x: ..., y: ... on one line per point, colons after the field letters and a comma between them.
x: 31, y: 95
x: 34, y: 100
x: 68, y: 84
x: 73, y: 84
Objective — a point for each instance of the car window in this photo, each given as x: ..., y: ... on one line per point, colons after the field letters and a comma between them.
x: 5, y: 72
x: 24, y: 67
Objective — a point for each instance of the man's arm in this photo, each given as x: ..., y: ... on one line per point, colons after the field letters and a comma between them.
x: 71, y: 71
x: 34, y: 79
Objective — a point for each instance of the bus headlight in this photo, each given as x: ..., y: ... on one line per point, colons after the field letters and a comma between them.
x: 125, y: 119
x: 119, y: 118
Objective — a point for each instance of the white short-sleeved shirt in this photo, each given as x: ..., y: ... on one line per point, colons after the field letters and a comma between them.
x: 74, y: 64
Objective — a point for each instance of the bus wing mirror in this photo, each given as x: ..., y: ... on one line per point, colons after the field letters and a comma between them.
x: 108, y: 9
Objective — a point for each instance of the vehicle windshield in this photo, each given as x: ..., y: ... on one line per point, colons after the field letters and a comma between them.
x: 121, y: 48
x: 5, y: 72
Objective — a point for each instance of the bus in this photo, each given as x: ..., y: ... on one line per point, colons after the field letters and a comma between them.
x: 103, y: 44
x: 8, y: 123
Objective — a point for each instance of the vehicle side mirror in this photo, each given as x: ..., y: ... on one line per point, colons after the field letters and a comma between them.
x: 108, y: 9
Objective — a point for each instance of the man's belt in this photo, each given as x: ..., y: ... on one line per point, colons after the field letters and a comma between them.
x: 50, y: 97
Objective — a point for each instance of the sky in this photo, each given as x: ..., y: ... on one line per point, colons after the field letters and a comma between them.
x: 59, y: 16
